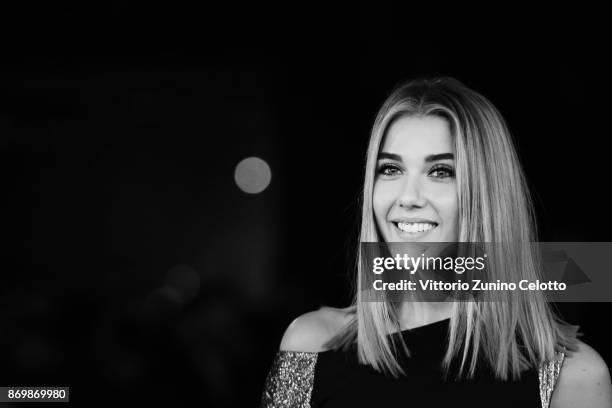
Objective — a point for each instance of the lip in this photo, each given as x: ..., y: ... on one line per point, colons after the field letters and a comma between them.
x: 412, y: 235
x: 413, y: 220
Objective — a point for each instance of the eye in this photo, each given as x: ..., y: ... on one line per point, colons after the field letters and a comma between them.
x: 442, y: 172
x: 388, y: 170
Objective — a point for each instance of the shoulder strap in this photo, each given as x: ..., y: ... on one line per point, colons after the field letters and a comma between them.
x: 290, y: 380
x: 548, y: 375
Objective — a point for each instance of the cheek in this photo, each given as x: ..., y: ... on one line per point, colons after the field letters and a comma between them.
x: 450, y: 211
x: 381, y: 201
x: 446, y: 202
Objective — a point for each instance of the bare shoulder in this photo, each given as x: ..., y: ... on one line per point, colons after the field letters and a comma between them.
x: 310, y: 331
x: 584, y: 380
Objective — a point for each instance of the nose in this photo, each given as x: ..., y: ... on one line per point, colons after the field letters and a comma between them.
x: 411, y: 196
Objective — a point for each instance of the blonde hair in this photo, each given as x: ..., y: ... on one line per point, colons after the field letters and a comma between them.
x: 494, y: 206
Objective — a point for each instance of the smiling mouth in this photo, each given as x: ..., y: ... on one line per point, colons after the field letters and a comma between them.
x: 415, y: 227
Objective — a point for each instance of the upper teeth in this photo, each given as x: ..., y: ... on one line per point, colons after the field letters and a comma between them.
x: 415, y: 226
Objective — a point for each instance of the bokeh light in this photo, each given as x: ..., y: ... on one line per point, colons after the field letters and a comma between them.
x: 252, y: 175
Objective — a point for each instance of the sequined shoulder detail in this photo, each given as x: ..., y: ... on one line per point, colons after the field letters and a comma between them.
x: 548, y: 374
x: 290, y: 380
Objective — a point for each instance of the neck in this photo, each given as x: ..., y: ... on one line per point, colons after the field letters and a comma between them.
x: 415, y: 314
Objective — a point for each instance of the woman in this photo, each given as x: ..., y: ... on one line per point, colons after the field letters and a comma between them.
x: 440, y: 167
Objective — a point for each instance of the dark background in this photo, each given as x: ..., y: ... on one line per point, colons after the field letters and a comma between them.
x: 137, y: 271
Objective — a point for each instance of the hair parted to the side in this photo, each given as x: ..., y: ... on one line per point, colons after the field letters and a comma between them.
x: 495, y: 207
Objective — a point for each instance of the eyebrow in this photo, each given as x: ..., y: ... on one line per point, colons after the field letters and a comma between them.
x: 430, y: 158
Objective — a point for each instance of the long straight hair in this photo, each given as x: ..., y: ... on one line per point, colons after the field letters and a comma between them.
x: 516, y: 331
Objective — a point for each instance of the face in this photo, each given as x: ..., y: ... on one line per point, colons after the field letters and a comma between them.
x: 415, y: 190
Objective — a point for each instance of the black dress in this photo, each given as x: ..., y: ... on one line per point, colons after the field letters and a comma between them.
x: 334, y: 379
